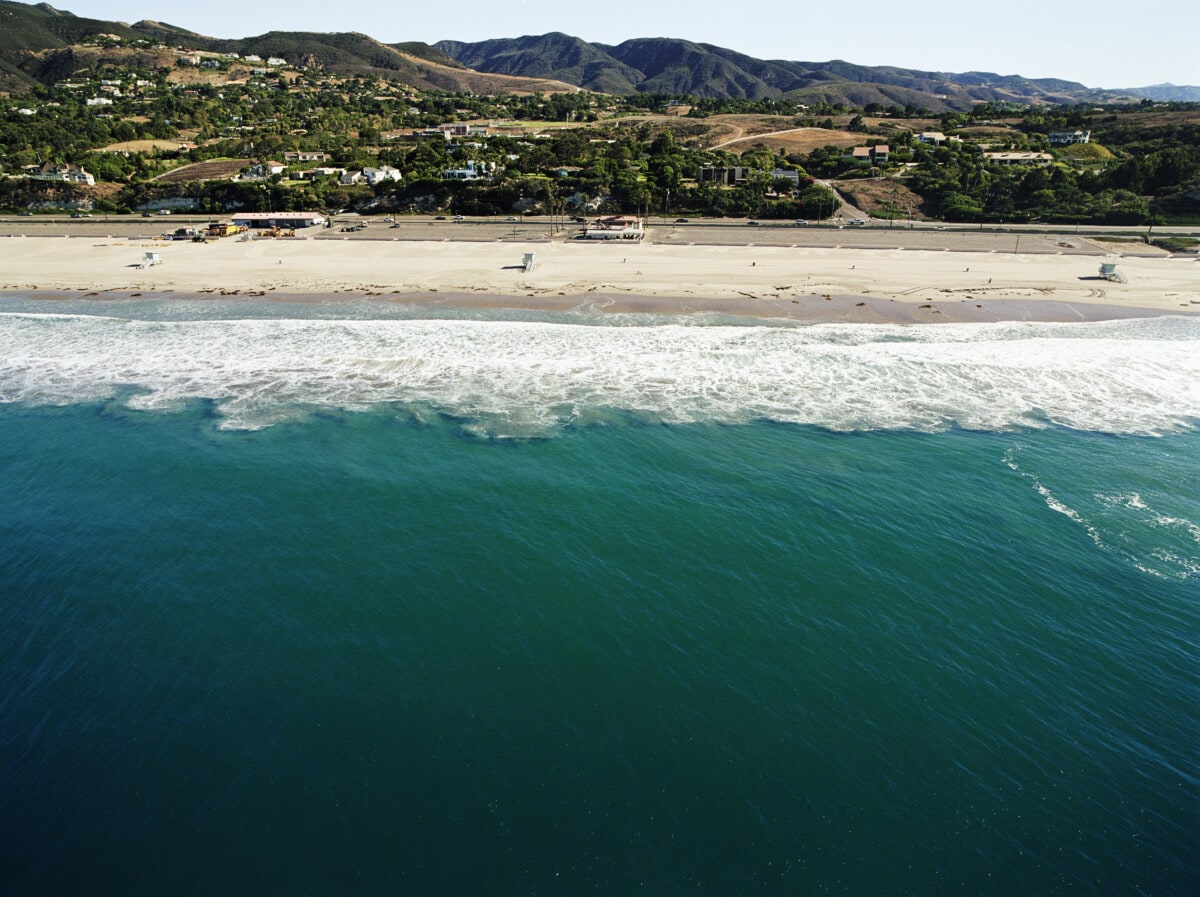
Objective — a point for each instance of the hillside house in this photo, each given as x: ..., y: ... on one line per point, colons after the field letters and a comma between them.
x: 306, y: 156
x: 1068, y: 138
x: 262, y: 170
x: 872, y: 155
x: 311, y: 174
x: 472, y: 171
x: 383, y: 173
x: 1023, y: 158
x: 712, y: 174
x: 71, y: 174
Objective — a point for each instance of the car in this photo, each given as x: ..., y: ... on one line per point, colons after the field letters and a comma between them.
x: 681, y: 221
x: 439, y: 218
x: 145, y: 214
x: 800, y: 222
x: 25, y: 213
x: 511, y: 218
x: 857, y: 222
x: 80, y: 215
x: 752, y: 223
x: 459, y: 218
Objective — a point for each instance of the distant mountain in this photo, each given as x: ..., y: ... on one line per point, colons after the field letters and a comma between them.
x: 1167, y: 93
x: 673, y: 66
x: 39, y: 44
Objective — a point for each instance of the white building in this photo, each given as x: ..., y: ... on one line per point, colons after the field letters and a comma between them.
x: 616, y: 227
x: 1067, y: 138
x: 375, y: 176
x: 472, y: 171
x: 72, y: 174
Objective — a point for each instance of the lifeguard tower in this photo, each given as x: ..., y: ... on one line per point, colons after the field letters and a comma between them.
x: 1108, y: 271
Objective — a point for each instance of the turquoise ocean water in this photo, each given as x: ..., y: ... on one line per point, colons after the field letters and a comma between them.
x: 353, y: 599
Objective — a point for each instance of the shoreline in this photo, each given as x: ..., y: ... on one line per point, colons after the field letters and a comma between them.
x: 811, y: 309
x: 846, y: 285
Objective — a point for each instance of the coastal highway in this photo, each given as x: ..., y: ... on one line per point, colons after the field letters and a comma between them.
x: 915, y: 235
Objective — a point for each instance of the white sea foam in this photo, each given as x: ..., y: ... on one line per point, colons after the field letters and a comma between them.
x: 521, y: 377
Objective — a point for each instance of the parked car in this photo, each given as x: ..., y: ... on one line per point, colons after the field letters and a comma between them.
x: 439, y: 218
x: 511, y: 218
x: 752, y: 223
x: 857, y: 222
x: 681, y: 221
x: 459, y: 218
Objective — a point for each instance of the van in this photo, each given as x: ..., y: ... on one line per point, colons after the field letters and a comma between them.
x: 164, y: 211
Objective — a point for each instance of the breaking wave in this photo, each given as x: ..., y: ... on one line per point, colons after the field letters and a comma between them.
x: 525, y: 377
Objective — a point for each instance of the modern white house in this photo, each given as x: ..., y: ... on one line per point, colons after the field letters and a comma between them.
x: 262, y: 170
x: 375, y: 176
x: 71, y: 174
x: 311, y: 174
x: 1067, y: 138
x: 472, y: 171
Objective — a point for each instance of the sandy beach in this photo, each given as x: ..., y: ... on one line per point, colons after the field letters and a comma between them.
x: 844, y: 284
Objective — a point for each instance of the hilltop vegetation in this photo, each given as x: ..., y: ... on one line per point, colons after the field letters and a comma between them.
x: 156, y: 121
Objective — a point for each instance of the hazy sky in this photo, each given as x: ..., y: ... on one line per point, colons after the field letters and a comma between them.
x: 1102, y: 44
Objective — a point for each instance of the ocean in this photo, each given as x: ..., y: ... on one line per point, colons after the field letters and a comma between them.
x: 361, y: 599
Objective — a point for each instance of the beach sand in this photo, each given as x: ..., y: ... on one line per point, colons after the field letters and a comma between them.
x: 842, y: 284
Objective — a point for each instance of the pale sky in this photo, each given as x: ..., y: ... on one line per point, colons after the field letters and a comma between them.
x: 1101, y: 44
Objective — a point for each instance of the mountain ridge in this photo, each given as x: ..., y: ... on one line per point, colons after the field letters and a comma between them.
x: 556, y: 61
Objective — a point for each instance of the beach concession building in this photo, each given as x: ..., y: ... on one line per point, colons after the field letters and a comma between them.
x: 286, y: 220
x: 616, y: 227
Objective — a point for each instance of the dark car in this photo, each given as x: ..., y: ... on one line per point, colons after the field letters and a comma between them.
x: 439, y: 218
x: 752, y: 223
x: 681, y: 221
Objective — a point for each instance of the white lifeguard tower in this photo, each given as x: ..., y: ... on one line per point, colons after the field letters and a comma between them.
x: 529, y: 261
x: 1108, y: 271
x: 150, y: 259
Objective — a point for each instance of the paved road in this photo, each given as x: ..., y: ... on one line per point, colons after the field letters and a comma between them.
x: 710, y: 231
